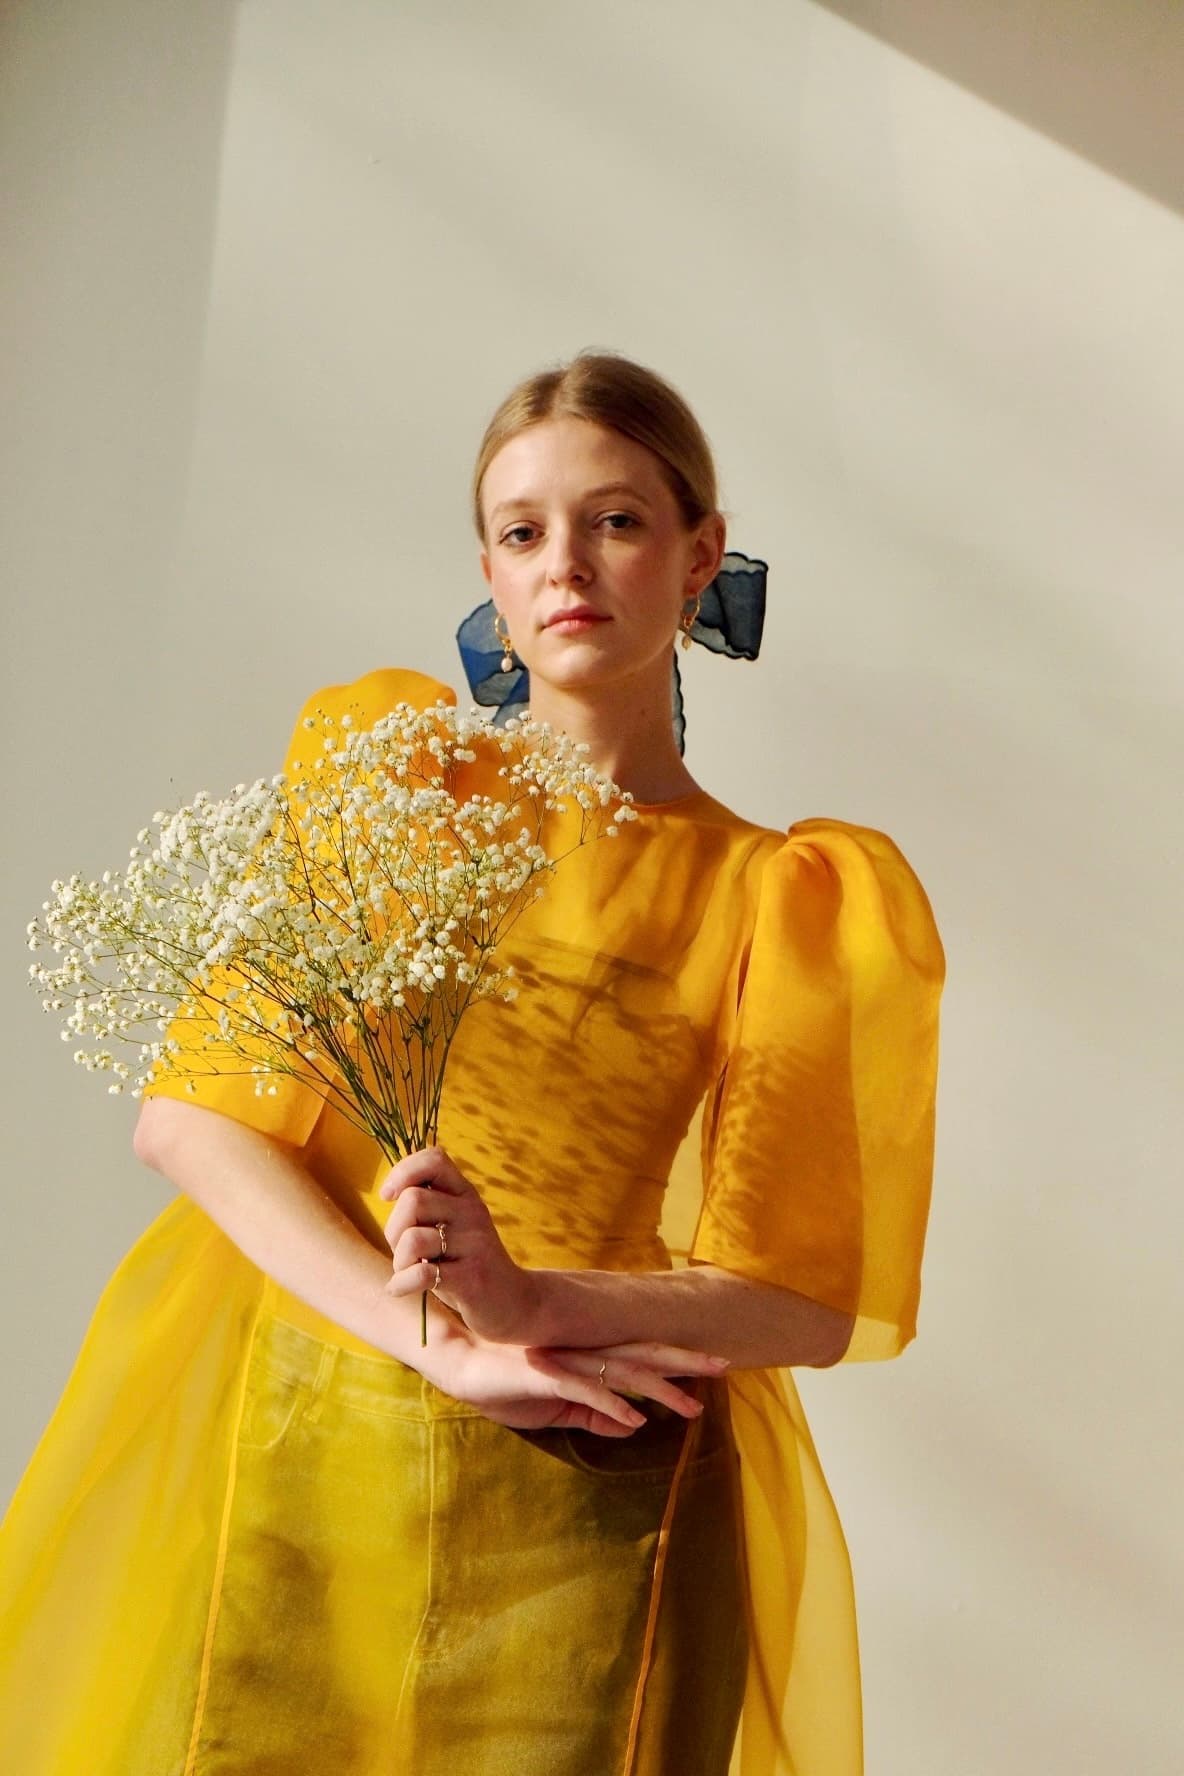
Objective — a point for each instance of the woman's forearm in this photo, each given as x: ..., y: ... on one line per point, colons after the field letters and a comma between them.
x: 754, y: 1325
x: 280, y: 1218
x: 278, y: 1215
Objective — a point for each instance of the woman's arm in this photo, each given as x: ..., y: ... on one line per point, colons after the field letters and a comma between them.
x: 753, y: 1325
x: 278, y: 1215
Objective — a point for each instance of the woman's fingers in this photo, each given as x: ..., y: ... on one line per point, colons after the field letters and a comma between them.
x: 423, y: 1242
x: 515, y: 1385
x: 416, y: 1279
x: 637, y: 1379
x: 643, y: 1370
x: 431, y: 1166
x: 669, y: 1359
x: 420, y: 1207
x: 446, y: 1225
x: 634, y: 1379
x: 573, y: 1415
x: 594, y: 1395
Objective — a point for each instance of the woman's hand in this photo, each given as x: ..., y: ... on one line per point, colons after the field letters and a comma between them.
x: 442, y: 1238
x: 536, y: 1389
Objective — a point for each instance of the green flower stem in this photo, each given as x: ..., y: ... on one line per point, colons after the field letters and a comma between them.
x: 428, y: 1141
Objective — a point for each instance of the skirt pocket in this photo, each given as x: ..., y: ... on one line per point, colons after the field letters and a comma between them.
x: 651, y: 1453
x: 272, y: 1405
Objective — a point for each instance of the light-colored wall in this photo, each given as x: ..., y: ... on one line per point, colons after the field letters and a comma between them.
x: 265, y: 272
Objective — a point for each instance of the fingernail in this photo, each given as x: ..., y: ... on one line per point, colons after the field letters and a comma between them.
x: 722, y: 1362
x: 636, y: 1418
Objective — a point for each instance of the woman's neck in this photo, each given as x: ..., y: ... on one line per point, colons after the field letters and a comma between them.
x: 628, y: 730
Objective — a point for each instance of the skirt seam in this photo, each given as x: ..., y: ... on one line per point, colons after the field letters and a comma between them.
x: 427, y: 1604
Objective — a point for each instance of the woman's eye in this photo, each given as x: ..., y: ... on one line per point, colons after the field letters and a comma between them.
x: 514, y: 534
x: 619, y: 520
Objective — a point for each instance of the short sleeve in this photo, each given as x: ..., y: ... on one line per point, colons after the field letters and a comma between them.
x: 818, y: 1139
x: 289, y: 1104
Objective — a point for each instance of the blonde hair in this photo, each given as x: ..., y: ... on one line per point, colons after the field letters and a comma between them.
x: 611, y: 391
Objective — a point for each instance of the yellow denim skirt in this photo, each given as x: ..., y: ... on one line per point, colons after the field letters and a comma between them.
x: 405, y: 1586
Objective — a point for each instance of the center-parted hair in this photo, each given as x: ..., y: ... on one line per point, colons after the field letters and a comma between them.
x: 615, y: 392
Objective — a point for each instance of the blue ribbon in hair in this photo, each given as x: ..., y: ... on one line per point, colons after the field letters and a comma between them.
x: 731, y: 621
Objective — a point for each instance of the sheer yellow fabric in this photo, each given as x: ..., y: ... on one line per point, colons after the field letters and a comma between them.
x: 746, y: 1026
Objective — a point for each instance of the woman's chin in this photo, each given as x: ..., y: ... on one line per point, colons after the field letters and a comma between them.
x: 581, y: 671
x: 573, y: 674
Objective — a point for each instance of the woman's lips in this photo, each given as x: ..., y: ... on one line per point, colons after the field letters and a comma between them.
x: 575, y: 622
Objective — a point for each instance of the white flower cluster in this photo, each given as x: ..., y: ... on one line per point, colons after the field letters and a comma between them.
x: 336, y: 926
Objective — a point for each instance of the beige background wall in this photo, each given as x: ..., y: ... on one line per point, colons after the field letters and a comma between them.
x: 265, y: 270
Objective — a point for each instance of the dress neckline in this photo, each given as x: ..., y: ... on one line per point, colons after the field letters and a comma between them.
x: 692, y: 795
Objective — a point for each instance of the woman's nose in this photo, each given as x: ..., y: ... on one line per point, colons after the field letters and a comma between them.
x: 566, y: 559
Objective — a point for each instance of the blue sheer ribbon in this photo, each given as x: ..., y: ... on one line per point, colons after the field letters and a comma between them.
x: 731, y: 621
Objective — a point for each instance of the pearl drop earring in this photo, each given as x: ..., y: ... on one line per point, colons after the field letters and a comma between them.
x: 501, y: 630
x: 687, y: 621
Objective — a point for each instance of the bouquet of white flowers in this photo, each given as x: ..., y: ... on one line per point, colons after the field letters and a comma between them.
x: 335, y: 928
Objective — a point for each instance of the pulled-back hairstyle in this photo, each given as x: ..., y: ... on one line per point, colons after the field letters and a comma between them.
x: 615, y: 392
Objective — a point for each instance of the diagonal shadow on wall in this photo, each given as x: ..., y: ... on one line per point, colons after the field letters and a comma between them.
x: 1102, y: 77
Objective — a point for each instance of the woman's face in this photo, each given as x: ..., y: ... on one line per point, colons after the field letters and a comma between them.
x: 587, y: 553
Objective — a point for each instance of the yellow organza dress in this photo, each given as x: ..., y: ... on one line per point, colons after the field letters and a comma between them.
x: 249, y: 1542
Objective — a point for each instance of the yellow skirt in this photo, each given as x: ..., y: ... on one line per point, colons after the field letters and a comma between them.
x: 404, y: 1585
x: 117, y: 1538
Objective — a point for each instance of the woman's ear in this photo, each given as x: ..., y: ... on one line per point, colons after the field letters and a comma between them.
x: 486, y: 569
x: 709, y: 549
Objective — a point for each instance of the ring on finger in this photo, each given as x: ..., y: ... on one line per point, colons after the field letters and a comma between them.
x: 600, y: 1377
x: 436, y: 1283
x: 440, y: 1229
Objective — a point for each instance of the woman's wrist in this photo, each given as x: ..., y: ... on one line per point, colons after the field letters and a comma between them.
x: 518, y: 1312
x: 560, y: 1309
x: 449, y: 1341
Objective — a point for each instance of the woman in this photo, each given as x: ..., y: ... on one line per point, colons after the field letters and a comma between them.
x: 266, y: 1528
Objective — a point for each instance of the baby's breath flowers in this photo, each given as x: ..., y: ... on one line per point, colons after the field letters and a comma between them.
x: 334, y: 928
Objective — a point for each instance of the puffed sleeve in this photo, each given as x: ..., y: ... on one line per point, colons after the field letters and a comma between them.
x: 818, y: 1139
x: 289, y: 1105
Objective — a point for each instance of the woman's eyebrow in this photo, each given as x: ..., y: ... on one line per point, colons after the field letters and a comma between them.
x: 531, y: 499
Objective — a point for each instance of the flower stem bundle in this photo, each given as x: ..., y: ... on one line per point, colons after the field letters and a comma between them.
x: 334, y: 928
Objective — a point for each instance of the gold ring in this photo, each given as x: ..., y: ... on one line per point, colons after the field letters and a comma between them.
x: 436, y: 1284
x: 600, y: 1377
x: 443, y: 1237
